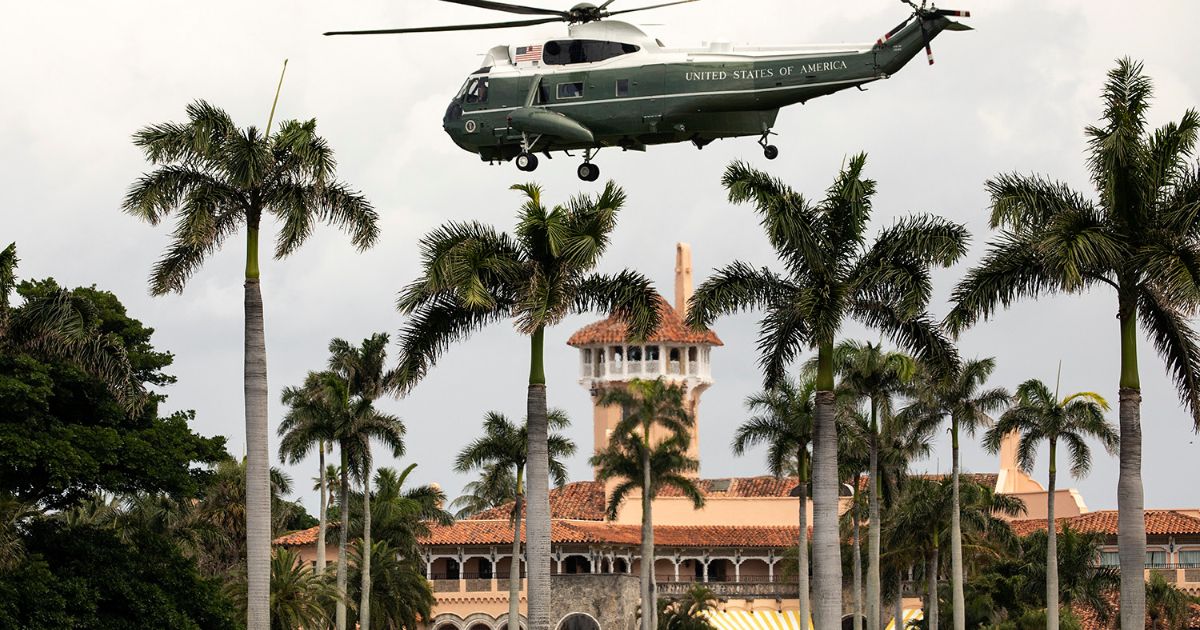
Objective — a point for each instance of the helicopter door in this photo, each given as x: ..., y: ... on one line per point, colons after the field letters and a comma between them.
x: 645, y: 94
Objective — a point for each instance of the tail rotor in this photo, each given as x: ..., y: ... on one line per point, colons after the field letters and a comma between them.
x: 922, y: 13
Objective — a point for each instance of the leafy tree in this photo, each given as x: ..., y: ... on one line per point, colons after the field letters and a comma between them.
x: 501, y: 455
x: 64, y: 433
x: 783, y: 421
x: 1040, y: 415
x: 86, y: 576
x: 869, y: 373
x: 218, y: 178
x: 1139, y: 237
x: 830, y: 275
x: 648, y: 450
x: 955, y: 391
x: 474, y: 275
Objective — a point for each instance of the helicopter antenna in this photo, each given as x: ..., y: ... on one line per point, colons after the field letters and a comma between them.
x: 581, y: 13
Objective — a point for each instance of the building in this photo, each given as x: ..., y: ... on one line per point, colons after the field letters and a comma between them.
x: 736, y: 543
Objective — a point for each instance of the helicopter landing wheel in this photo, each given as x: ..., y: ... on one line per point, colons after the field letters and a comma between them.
x: 527, y: 162
x: 771, y: 151
x: 588, y: 172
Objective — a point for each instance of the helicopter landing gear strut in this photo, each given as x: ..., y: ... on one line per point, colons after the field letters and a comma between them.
x: 526, y: 160
x: 770, y: 151
x: 587, y: 171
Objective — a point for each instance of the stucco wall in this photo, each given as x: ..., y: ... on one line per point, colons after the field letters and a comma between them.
x: 611, y: 599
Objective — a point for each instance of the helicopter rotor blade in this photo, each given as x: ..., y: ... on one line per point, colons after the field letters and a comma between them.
x: 925, y: 39
x: 450, y: 27
x: 951, y: 13
x: 606, y: 3
x: 508, y: 8
x: 653, y: 6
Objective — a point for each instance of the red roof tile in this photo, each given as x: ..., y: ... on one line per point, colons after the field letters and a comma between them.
x: 579, y: 501
x: 500, y: 532
x: 1158, y: 522
x: 670, y: 330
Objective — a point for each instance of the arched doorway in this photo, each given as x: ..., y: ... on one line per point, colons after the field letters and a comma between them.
x: 848, y: 622
x: 578, y: 621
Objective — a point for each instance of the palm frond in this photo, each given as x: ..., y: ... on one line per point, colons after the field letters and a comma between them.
x: 1177, y: 344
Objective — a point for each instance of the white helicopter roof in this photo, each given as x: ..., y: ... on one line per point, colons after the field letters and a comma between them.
x: 518, y: 59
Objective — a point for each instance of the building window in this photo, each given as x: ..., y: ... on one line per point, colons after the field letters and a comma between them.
x: 485, y: 569
x: 622, y: 87
x: 570, y: 90
x: 1156, y: 558
x: 1189, y: 558
x: 651, y: 353
x: 571, y: 51
x: 577, y: 564
x: 634, y: 353
x: 1110, y: 559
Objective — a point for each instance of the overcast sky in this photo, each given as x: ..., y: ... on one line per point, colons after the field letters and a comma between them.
x: 80, y: 77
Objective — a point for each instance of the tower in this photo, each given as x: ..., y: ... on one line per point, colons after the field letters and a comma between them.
x: 607, y: 358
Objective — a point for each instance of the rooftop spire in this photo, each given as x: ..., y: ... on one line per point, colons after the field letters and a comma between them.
x: 683, y: 278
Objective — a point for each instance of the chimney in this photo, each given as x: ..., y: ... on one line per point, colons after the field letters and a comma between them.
x: 683, y: 277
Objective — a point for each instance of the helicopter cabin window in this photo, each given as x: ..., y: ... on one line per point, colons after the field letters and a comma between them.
x: 622, y: 87
x: 477, y: 90
x: 569, y: 51
x: 570, y: 90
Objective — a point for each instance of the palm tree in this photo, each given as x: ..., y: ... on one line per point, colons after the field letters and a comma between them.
x: 853, y: 460
x: 923, y: 520
x: 298, y: 594
x: 402, y: 516
x: 363, y: 368
x: 1081, y: 582
x: 955, y: 391
x: 648, y: 450
x: 831, y: 274
x: 1039, y: 415
x: 783, y: 421
x: 1167, y: 607
x: 475, y: 275
x: 309, y: 422
x: 501, y: 454
x: 867, y: 372
x: 1137, y: 237
x: 403, y: 597
x: 689, y: 612
x: 218, y: 178
x: 63, y: 326
x: 494, y: 487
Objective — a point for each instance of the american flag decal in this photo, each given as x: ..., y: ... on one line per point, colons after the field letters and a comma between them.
x: 529, y: 53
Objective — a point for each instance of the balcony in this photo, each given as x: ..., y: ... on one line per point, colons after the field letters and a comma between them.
x: 746, y: 589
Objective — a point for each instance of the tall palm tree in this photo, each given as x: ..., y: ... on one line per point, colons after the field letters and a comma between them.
x: 1138, y: 237
x: 403, y: 597
x: 309, y: 422
x: 783, y: 421
x: 1081, y: 581
x: 831, y: 274
x: 474, y: 275
x: 502, y: 454
x: 494, y: 487
x: 648, y: 450
x: 853, y: 461
x: 1039, y: 415
x: 63, y: 326
x: 955, y: 391
x: 363, y: 367
x: 218, y: 178
x: 868, y: 372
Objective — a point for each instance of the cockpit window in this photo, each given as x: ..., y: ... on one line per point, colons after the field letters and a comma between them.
x: 476, y: 90
x: 569, y: 51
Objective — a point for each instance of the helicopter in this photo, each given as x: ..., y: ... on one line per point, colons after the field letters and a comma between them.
x: 609, y: 84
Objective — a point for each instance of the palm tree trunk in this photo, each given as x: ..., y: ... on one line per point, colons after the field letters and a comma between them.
x: 258, y: 483
x: 1051, y: 549
x: 958, y: 601
x: 514, y: 569
x: 321, y: 518
x: 537, y: 526
x: 898, y: 623
x: 1131, y: 524
x: 931, y: 605
x: 805, y: 606
x: 827, y: 561
x: 649, y: 606
x: 874, y: 601
x: 856, y: 570
x: 343, y: 534
x: 364, y: 606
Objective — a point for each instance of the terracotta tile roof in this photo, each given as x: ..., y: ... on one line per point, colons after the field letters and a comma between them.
x: 984, y: 479
x: 299, y: 538
x: 479, y: 532
x: 1158, y: 522
x: 671, y: 330
x: 579, y: 501
x: 742, y: 487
